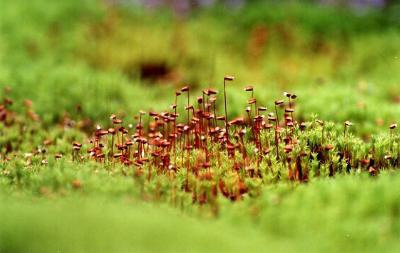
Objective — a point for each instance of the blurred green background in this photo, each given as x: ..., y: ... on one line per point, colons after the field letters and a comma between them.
x: 341, y: 57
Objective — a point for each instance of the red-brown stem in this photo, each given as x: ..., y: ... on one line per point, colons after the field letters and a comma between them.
x: 175, y: 132
x: 251, y: 125
x: 226, y: 112
x: 215, y: 115
x: 290, y: 106
x: 277, y: 144
x: 183, y: 149
x: 112, y: 146
x: 188, y: 103
x: 277, y: 117
x: 276, y: 133
x: 140, y: 136
x: 244, y: 152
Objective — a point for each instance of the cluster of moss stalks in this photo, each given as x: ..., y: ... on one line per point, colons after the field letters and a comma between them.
x: 200, y: 150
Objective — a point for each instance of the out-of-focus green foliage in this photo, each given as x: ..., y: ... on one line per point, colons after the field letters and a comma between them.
x: 343, y: 64
x: 356, y: 213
